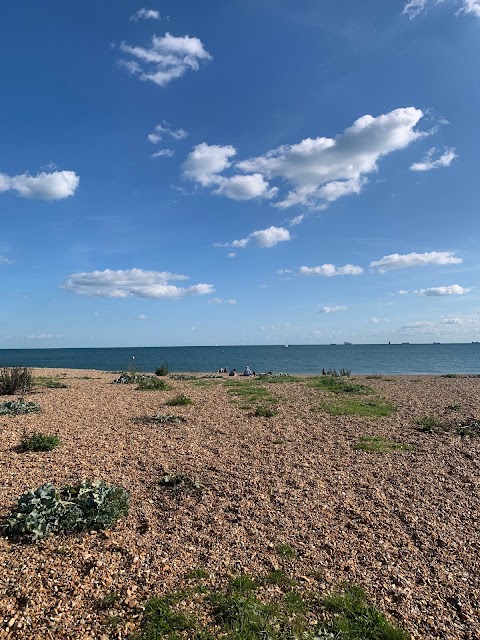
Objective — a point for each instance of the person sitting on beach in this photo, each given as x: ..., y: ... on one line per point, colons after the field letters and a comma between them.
x: 233, y: 372
x: 248, y: 371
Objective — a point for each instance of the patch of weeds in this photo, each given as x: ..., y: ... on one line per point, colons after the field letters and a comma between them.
x: 178, y: 482
x: 338, y: 385
x: 162, y: 370
x: 470, y: 428
x: 242, y: 583
x: 168, y: 418
x: 356, y: 407
x: 182, y: 376
x: 17, y: 407
x: 279, y: 578
x: 273, y: 379
x: 153, y: 384
x: 429, y: 424
x: 374, y: 377
x: 278, y: 441
x: 109, y: 600
x: 91, y: 505
x: 112, y: 621
x: 377, y: 444
x: 264, y: 412
x: 39, y: 442
x: 49, y: 383
x: 15, y: 380
x: 179, y: 401
x: 450, y: 375
x: 250, y: 393
x: 286, y: 551
x: 197, y: 574
x: 453, y: 407
x: 353, y: 618
x: 163, y: 621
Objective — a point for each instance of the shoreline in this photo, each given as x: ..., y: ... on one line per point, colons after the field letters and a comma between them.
x: 402, y: 524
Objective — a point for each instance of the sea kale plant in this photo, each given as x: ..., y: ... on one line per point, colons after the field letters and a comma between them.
x: 17, y: 407
x: 90, y: 505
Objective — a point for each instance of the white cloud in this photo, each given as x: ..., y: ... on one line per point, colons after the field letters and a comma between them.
x: 163, y: 153
x: 146, y: 14
x: 318, y: 170
x: 5, y: 260
x: 166, y: 129
x: 142, y: 316
x: 41, y: 336
x: 402, y: 292
x: 332, y: 309
x: 206, y: 161
x: 450, y: 290
x: 428, y: 163
x: 264, y: 238
x: 44, y: 186
x: 245, y: 187
x: 397, y: 261
x: 375, y: 320
x: 329, y: 270
x: 414, y: 8
x: 231, y: 301
x: 296, y: 220
x: 133, y: 282
x: 232, y: 254
x: 282, y: 272
x: 168, y: 57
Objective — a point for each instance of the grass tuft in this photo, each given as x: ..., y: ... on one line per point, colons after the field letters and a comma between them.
x: 338, y: 385
x: 179, y: 401
x: 428, y: 424
x: 39, y: 442
x: 357, y: 407
x: 265, y: 412
x: 377, y: 444
x: 286, y: 551
x: 49, y: 383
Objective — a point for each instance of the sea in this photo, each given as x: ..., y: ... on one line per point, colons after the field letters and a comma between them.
x: 394, y: 359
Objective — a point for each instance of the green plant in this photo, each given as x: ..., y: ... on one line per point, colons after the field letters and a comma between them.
x: 338, y: 385
x: 50, y: 383
x: 152, y: 384
x: 264, y: 412
x: 469, y: 428
x: 39, y: 442
x: 168, y: 418
x: 182, y: 376
x: 453, y: 407
x: 286, y: 551
x: 356, y: 407
x: 279, y: 578
x: 108, y: 600
x: 90, y: 505
x: 17, y: 407
x: 377, y: 444
x: 162, y: 370
x: 161, y: 620
x: 274, y: 379
x: 353, y: 618
x: 15, y: 380
x: 177, y: 401
x: 429, y: 424
x: 197, y: 574
x: 450, y: 375
x: 176, y: 482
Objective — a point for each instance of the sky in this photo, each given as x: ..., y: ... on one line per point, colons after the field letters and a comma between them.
x: 239, y: 172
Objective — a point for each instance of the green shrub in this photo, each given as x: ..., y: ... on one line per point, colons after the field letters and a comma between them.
x: 15, y: 380
x: 152, y: 384
x: 178, y: 401
x: 429, y: 424
x: 91, y: 505
x: 469, y: 428
x: 162, y: 370
x: 17, y: 407
x: 265, y: 412
x: 168, y: 418
x: 179, y: 482
x: 39, y: 442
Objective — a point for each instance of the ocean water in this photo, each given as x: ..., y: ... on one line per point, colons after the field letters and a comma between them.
x: 308, y: 359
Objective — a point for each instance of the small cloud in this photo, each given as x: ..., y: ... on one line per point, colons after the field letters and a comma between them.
x: 163, y: 153
x: 375, y: 320
x: 232, y: 254
x: 414, y: 8
x: 43, y: 186
x: 164, y: 129
x: 5, y: 260
x: 264, y: 239
x: 146, y: 14
x: 450, y: 290
x: 329, y: 270
x: 428, y: 163
x: 282, y: 272
x: 402, y: 292
x: 142, y: 317
x: 406, y: 261
x: 221, y: 301
x: 41, y: 336
x: 332, y: 309
x: 296, y: 220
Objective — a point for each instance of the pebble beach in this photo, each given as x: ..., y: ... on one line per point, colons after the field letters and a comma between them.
x: 403, y: 524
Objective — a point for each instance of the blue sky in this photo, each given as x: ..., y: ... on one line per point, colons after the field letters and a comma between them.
x: 239, y: 172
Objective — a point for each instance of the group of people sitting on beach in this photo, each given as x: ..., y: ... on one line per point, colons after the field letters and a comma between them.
x: 233, y: 372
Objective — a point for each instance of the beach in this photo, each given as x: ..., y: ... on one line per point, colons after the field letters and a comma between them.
x: 403, y: 523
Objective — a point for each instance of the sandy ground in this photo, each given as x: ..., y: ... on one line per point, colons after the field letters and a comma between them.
x: 404, y: 525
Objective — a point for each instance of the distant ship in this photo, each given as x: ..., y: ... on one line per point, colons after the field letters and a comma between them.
x: 474, y: 342
x: 347, y: 343
x: 436, y: 343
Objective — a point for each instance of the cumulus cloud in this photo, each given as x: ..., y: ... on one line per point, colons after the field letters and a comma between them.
x: 329, y: 270
x: 450, y: 290
x: 165, y: 129
x: 414, y: 8
x: 332, y: 309
x: 317, y: 170
x: 168, y: 57
x: 161, y: 153
x: 133, y: 282
x: 264, y: 238
x: 55, y: 185
x: 398, y: 261
x: 146, y: 14
x: 296, y: 220
x: 429, y: 163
